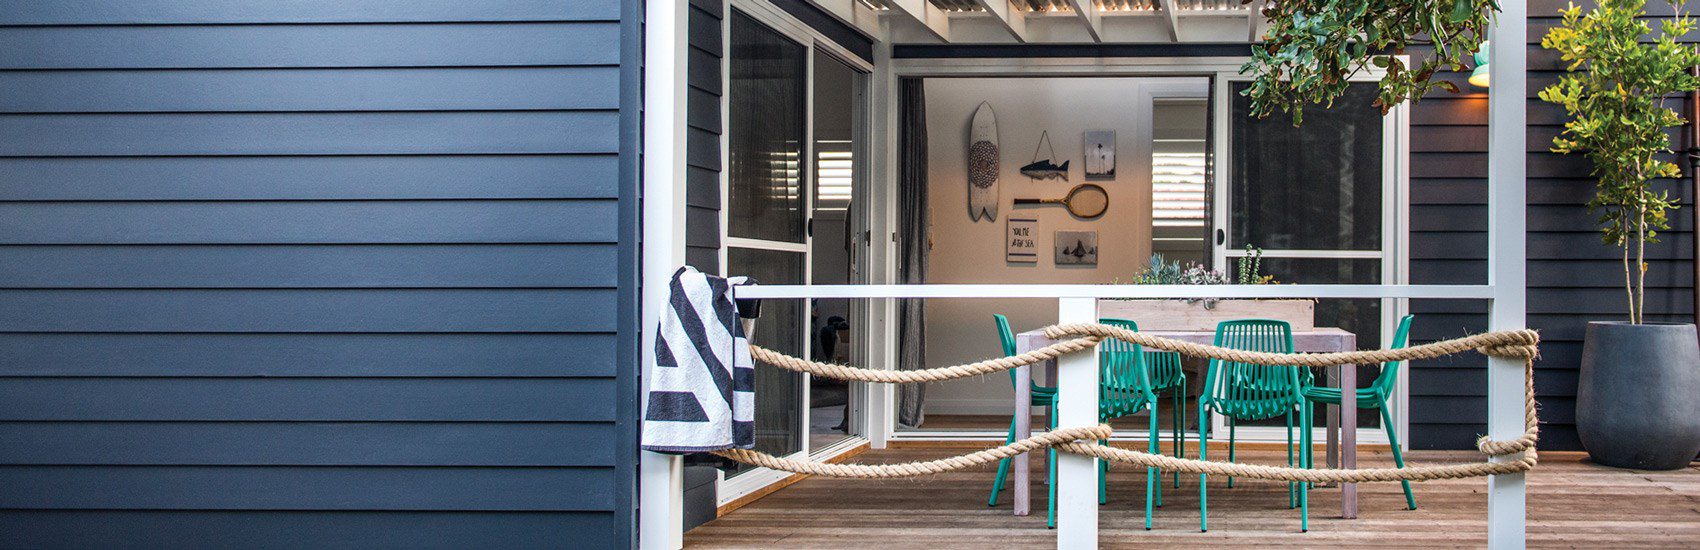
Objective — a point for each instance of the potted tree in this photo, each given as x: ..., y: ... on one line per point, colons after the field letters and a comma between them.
x: 1638, y: 398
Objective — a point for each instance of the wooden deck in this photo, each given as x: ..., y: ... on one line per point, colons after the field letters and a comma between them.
x: 1571, y: 504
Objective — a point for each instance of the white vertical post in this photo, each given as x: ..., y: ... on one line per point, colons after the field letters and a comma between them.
x: 1077, y: 405
x: 882, y: 163
x: 1507, y: 199
x: 660, y: 476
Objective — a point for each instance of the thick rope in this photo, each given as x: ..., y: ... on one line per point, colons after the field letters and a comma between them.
x: 988, y: 366
x: 1516, y: 344
x: 913, y: 469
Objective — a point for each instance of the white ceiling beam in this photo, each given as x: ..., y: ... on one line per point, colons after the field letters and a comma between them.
x: 1255, y: 22
x: 934, y: 19
x: 1013, y: 20
x: 1171, y: 13
x: 1087, y: 11
x: 852, y: 13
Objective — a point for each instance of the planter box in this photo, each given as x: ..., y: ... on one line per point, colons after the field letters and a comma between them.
x: 1181, y: 315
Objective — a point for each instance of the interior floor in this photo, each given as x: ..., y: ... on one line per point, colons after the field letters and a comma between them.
x: 1571, y: 503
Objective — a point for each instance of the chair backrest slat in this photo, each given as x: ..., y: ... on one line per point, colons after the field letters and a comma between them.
x: 1125, y: 371
x: 1249, y: 391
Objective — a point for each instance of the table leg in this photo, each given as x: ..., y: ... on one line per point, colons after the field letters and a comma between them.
x: 1331, y: 451
x: 1023, y: 430
x: 1050, y: 412
x: 1348, y: 438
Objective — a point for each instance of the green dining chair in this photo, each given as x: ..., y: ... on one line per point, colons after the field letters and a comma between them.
x: 1126, y: 387
x: 1375, y: 397
x: 1243, y: 391
x: 1167, y: 376
x: 1123, y: 389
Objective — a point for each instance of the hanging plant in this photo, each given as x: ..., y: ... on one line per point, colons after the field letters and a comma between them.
x: 1314, y: 47
x: 1620, y: 76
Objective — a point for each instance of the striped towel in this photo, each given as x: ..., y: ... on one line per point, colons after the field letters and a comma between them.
x: 702, y: 393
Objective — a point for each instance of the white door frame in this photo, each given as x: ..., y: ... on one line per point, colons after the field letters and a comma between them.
x: 812, y: 41
x: 1395, y: 236
x: 1214, y: 72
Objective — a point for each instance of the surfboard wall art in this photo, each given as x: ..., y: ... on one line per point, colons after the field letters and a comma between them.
x: 983, y: 166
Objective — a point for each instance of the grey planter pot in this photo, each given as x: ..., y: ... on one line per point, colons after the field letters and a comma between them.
x: 1638, y: 398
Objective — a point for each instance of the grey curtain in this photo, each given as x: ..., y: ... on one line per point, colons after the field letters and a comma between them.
x: 913, y: 242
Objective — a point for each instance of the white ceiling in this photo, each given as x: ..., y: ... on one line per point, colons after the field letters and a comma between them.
x: 1053, y: 21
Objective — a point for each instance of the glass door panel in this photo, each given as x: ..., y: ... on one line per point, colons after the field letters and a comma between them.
x: 1313, y: 187
x: 835, y: 248
x: 778, y: 412
x: 1315, y: 199
x: 767, y: 211
x: 766, y: 130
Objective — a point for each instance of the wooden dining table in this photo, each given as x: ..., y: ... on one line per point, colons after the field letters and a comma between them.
x: 1342, y: 428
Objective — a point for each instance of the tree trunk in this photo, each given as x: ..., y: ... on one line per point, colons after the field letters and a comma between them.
x: 1628, y: 283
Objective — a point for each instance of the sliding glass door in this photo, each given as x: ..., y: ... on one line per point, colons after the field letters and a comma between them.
x: 1318, y: 201
x: 794, y: 126
x: 767, y: 205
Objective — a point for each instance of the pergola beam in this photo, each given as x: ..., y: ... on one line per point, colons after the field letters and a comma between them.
x: 1013, y: 20
x: 924, y: 12
x: 1171, y: 14
x: 1087, y: 11
x: 1254, y: 23
x: 852, y: 13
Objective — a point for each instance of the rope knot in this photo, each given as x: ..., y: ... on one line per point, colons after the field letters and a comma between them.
x: 1520, y: 352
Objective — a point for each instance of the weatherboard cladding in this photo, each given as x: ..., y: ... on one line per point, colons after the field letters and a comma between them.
x: 1573, y: 277
x: 317, y: 274
x: 702, y: 137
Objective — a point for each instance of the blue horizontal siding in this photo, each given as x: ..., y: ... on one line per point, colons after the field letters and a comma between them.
x: 177, y: 12
x: 318, y: 222
x: 305, y: 444
x: 290, y: 530
x: 702, y: 139
x: 306, y: 488
x: 158, y: 134
x: 309, y: 266
x: 310, y: 46
x: 308, y: 177
x: 316, y: 310
x: 308, y: 399
x: 317, y: 274
x: 285, y: 90
x: 308, y: 354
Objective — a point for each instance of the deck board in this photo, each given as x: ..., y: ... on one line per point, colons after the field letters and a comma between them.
x: 1571, y: 503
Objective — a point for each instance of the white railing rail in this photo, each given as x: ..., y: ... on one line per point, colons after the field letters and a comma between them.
x: 1450, y: 292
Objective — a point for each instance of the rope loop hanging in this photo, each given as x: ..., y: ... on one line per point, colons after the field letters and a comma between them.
x: 1509, y: 456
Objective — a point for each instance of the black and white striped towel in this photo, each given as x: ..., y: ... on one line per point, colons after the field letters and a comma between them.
x: 702, y: 391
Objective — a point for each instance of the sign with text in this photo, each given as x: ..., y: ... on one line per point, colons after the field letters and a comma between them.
x: 1021, y: 244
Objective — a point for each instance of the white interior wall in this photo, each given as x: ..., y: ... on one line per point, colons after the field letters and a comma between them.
x: 964, y: 251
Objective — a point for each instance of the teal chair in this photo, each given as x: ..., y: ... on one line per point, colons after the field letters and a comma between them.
x: 1124, y: 389
x: 1167, y: 376
x: 1242, y: 391
x: 1375, y: 397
